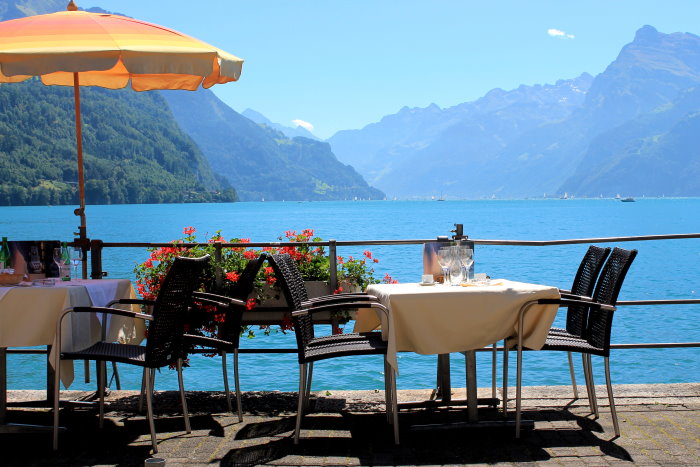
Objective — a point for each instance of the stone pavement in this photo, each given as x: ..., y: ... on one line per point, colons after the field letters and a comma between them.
x: 660, y: 425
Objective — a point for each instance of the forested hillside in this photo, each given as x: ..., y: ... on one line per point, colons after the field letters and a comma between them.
x: 262, y: 163
x: 134, y: 150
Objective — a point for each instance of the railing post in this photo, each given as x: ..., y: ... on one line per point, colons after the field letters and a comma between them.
x: 218, y: 273
x: 84, y: 245
x: 96, y: 259
x: 333, y: 264
x: 333, y: 279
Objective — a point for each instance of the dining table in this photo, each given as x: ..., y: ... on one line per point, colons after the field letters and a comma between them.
x: 29, y: 312
x: 439, y: 319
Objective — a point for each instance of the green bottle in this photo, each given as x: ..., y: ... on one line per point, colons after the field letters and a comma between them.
x: 5, y: 256
x: 65, y: 261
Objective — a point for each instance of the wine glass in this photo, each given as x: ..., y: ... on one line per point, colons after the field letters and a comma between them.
x: 58, y: 259
x: 76, y: 256
x: 455, y: 266
x: 444, y: 257
x: 466, y: 258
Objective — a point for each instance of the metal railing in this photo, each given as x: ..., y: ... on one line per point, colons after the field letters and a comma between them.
x: 97, y: 246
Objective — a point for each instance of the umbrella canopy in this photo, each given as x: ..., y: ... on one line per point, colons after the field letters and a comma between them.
x: 77, y: 48
x: 109, y: 51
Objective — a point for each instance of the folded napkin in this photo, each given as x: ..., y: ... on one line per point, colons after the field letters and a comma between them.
x: 490, y: 282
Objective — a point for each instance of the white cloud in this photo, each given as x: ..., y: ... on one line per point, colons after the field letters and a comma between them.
x: 303, y: 124
x: 559, y: 33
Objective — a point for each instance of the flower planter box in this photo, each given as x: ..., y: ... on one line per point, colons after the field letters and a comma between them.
x: 272, y: 310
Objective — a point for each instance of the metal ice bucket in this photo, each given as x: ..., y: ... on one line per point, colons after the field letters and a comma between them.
x: 430, y: 262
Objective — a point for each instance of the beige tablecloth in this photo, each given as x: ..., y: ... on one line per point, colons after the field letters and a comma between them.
x: 28, y: 316
x: 441, y: 319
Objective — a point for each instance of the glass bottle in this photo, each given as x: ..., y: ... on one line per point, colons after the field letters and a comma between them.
x: 35, y: 264
x: 65, y: 262
x: 5, y: 256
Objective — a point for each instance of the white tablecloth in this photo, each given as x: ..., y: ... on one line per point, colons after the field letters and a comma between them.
x: 441, y: 319
x: 28, y: 316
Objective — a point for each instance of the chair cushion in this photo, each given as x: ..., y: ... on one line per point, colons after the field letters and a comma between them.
x: 122, y: 353
x: 341, y: 345
x: 571, y: 343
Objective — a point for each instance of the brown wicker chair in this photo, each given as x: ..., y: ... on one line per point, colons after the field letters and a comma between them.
x: 576, y: 315
x: 311, y: 348
x: 164, y: 345
x: 581, y: 287
x: 595, y: 338
x: 227, y: 340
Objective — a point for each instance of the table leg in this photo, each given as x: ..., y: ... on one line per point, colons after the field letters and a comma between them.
x: 12, y: 427
x: 472, y: 402
x: 50, y: 373
x: 444, y: 382
x: 3, y: 384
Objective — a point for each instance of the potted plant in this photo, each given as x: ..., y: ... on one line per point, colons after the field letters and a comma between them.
x: 354, y: 274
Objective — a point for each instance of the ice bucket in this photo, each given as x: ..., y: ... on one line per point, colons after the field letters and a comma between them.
x: 430, y: 262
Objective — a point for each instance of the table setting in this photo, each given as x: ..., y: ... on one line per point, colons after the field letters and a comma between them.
x: 457, y: 311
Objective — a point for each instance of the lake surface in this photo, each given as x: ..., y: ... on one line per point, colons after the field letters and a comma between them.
x: 663, y: 270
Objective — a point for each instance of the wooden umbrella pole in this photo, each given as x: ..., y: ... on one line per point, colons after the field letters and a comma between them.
x: 81, y: 176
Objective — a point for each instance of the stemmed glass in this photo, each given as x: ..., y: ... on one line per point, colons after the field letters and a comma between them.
x: 76, y: 256
x: 456, y: 272
x: 466, y: 259
x: 58, y: 259
x: 444, y: 257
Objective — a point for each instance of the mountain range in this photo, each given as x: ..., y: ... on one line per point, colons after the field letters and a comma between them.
x: 261, y: 162
x: 630, y: 129
x: 160, y: 146
x: 289, y: 132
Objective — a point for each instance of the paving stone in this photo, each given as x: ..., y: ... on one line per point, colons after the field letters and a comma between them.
x: 660, y: 425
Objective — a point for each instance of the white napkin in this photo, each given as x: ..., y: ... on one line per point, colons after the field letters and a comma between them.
x: 101, y: 291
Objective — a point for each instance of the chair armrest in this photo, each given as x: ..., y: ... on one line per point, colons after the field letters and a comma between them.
x: 575, y: 297
x: 211, y: 299
x: 111, y: 311
x: 566, y: 302
x: 205, y: 341
x: 339, y: 298
x: 217, y: 300
x: 342, y: 306
x: 131, y: 301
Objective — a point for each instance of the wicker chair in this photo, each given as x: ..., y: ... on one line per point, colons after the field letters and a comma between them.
x: 228, y: 337
x: 163, y: 346
x: 582, y: 287
x: 296, y: 281
x: 311, y: 348
x: 576, y: 315
x: 595, y: 338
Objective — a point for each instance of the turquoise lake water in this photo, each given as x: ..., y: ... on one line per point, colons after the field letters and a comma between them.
x: 663, y: 270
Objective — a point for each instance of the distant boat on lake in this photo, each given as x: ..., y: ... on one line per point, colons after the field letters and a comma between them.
x: 629, y: 199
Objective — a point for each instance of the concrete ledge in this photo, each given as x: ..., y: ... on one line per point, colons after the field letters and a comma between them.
x: 660, y: 425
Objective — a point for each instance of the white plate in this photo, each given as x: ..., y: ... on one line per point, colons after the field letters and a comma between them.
x: 427, y: 283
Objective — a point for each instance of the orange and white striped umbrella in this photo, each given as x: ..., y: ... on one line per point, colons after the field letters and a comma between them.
x: 77, y: 48
x: 109, y: 51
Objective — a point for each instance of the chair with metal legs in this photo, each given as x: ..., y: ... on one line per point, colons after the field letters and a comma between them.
x: 581, y: 287
x: 163, y: 347
x: 229, y: 331
x: 595, y: 339
x: 312, y: 349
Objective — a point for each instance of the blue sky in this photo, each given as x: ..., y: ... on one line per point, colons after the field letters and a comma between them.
x: 344, y: 64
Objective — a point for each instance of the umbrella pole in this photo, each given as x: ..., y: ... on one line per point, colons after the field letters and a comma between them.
x: 82, y: 232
